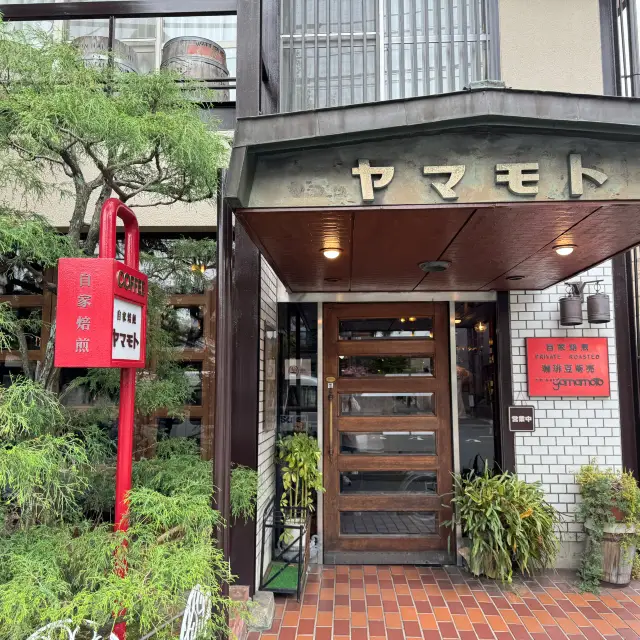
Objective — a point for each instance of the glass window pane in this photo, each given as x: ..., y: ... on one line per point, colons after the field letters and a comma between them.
x: 387, y: 404
x: 73, y: 29
x: 136, y: 38
x: 385, y: 328
x: 388, y: 523
x: 389, y: 443
x: 193, y: 373
x: 388, y: 482
x: 176, y: 428
x: 298, y: 373
x: 10, y: 369
x: 18, y: 282
x: 220, y: 30
x: 386, y: 366
x: 475, y: 366
x: 186, y: 326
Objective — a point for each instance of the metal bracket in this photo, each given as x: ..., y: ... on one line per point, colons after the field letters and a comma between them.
x: 577, y: 288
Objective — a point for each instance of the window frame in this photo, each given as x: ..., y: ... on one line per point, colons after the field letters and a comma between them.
x: 112, y: 10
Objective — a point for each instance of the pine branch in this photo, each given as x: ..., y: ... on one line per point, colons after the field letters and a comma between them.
x: 93, y: 234
x: 23, y: 349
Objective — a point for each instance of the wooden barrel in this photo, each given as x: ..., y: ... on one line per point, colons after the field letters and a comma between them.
x: 197, y: 59
x: 617, y: 559
x: 95, y: 52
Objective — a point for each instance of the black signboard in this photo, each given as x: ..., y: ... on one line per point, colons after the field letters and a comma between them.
x: 522, y: 418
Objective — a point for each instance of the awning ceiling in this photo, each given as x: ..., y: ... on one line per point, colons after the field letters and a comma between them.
x: 486, y: 245
x: 293, y: 189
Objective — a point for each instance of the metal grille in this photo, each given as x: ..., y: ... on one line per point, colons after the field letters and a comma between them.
x: 338, y: 52
x: 627, y: 53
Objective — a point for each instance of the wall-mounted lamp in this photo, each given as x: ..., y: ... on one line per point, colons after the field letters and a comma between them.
x: 598, y: 308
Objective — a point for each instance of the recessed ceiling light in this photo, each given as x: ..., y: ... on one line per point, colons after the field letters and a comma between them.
x: 458, y: 320
x: 412, y: 319
x: 564, y: 249
x: 432, y: 266
x: 403, y: 319
x: 331, y: 253
x: 515, y: 277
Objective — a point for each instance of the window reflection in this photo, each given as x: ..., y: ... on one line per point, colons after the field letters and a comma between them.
x: 386, y: 404
x: 475, y: 366
x: 298, y: 379
x: 186, y: 327
x: 423, y: 482
x: 388, y: 523
x: 385, y: 328
x: 177, y: 428
x: 139, y: 42
x: 387, y: 366
x: 389, y: 443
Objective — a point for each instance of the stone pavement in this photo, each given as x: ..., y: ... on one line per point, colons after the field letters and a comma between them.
x: 398, y: 603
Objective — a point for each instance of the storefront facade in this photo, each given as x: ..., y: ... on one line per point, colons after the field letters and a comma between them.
x: 460, y: 205
x: 385, y: 133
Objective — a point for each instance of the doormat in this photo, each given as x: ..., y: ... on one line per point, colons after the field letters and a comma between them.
x: 287, y: 580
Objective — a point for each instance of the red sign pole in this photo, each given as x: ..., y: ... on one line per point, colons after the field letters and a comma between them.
x: 111, y: 210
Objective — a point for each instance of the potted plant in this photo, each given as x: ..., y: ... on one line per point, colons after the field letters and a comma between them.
x: 298, y: 455
x: 508, y: 523
x: 610, y: 509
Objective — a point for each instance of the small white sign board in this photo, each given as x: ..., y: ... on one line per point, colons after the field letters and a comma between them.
x: 127, y: 322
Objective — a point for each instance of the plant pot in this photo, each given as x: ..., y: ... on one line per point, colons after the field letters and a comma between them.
x: 294, y: 528
x: 617, y: 514
x: 617, y: 553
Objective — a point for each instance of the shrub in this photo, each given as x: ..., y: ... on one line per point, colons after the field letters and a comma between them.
x: 509, y: 524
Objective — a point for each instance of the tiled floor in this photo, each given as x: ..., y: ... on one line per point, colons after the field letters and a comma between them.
x: 398, y: 603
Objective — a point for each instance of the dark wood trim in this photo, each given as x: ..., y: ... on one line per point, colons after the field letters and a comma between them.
x: 627, y: 360
x: 116, y: 8
x: 245, y: 398
x: 335, y: 422
x: 504, y: 383
x: 248, y: 56
x: 610, y: 80
x: 224, y: 373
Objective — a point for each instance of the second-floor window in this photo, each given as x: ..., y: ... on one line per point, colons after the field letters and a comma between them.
x: 339, y: 52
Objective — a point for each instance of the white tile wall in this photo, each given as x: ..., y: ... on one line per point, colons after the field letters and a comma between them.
x: 266, y: 433
x: 569, y: 432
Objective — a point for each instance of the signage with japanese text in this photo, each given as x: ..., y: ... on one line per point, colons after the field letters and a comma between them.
x: 522, y: 418
x: 101, y: 317
x: 568, y: 367
x: 449, y: 167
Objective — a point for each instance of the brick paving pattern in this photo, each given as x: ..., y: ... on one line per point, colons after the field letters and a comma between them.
x: 398, y: 603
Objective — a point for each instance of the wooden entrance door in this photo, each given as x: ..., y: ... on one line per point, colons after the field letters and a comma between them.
x: 387, y: 433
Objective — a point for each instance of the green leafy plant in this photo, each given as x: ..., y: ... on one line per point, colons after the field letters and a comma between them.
x: 509, y: 523
x: 244, y: 492
x: 608, y: 497
x: 57, y: 560
x: 299, y: 455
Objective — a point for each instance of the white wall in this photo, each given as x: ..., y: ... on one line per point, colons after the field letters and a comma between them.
x: 551, y: 45
x: 569, y: 432
x: 266, y: 433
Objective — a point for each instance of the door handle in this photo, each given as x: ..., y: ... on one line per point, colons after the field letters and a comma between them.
x: 330, y: 380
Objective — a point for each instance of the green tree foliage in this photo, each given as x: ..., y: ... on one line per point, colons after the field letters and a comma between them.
x: 58, y: 553
x: 90, y: 134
